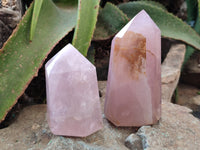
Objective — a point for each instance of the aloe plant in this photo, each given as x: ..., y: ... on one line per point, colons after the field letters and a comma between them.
x: 21, y: 59
x: 170, y: 25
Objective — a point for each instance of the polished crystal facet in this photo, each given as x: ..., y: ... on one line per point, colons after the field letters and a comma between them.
x: 73, y: 106
x: 133, y: 96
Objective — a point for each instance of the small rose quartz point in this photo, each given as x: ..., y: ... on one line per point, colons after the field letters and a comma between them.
x: 73, y: 107
x: 133, y: 96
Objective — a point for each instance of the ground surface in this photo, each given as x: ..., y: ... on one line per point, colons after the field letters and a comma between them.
x: 178, y: 129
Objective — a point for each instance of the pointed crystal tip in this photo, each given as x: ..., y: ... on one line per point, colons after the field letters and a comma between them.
x: 139, y: 22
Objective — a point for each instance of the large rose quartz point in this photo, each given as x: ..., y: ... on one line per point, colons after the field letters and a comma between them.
x: 133, y: 96
x: 73, y: 107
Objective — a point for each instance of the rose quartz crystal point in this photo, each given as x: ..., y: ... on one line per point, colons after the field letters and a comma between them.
x: 73, y: 107
x: 133, y: 96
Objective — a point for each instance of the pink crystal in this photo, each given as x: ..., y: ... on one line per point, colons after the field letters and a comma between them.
x: 73, y: 106
x: 133, y: 96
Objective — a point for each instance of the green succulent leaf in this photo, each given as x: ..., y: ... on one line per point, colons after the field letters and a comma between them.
x: 190, y: 50
x: 155, y: 3
x: 110, y: 21
x: 86, y: 21
x: 20, y: 59
x: 170, y: 25
x: 36, y: 11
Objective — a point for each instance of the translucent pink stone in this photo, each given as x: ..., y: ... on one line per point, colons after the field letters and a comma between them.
x: 133, y: 96
x: 73, y: 106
